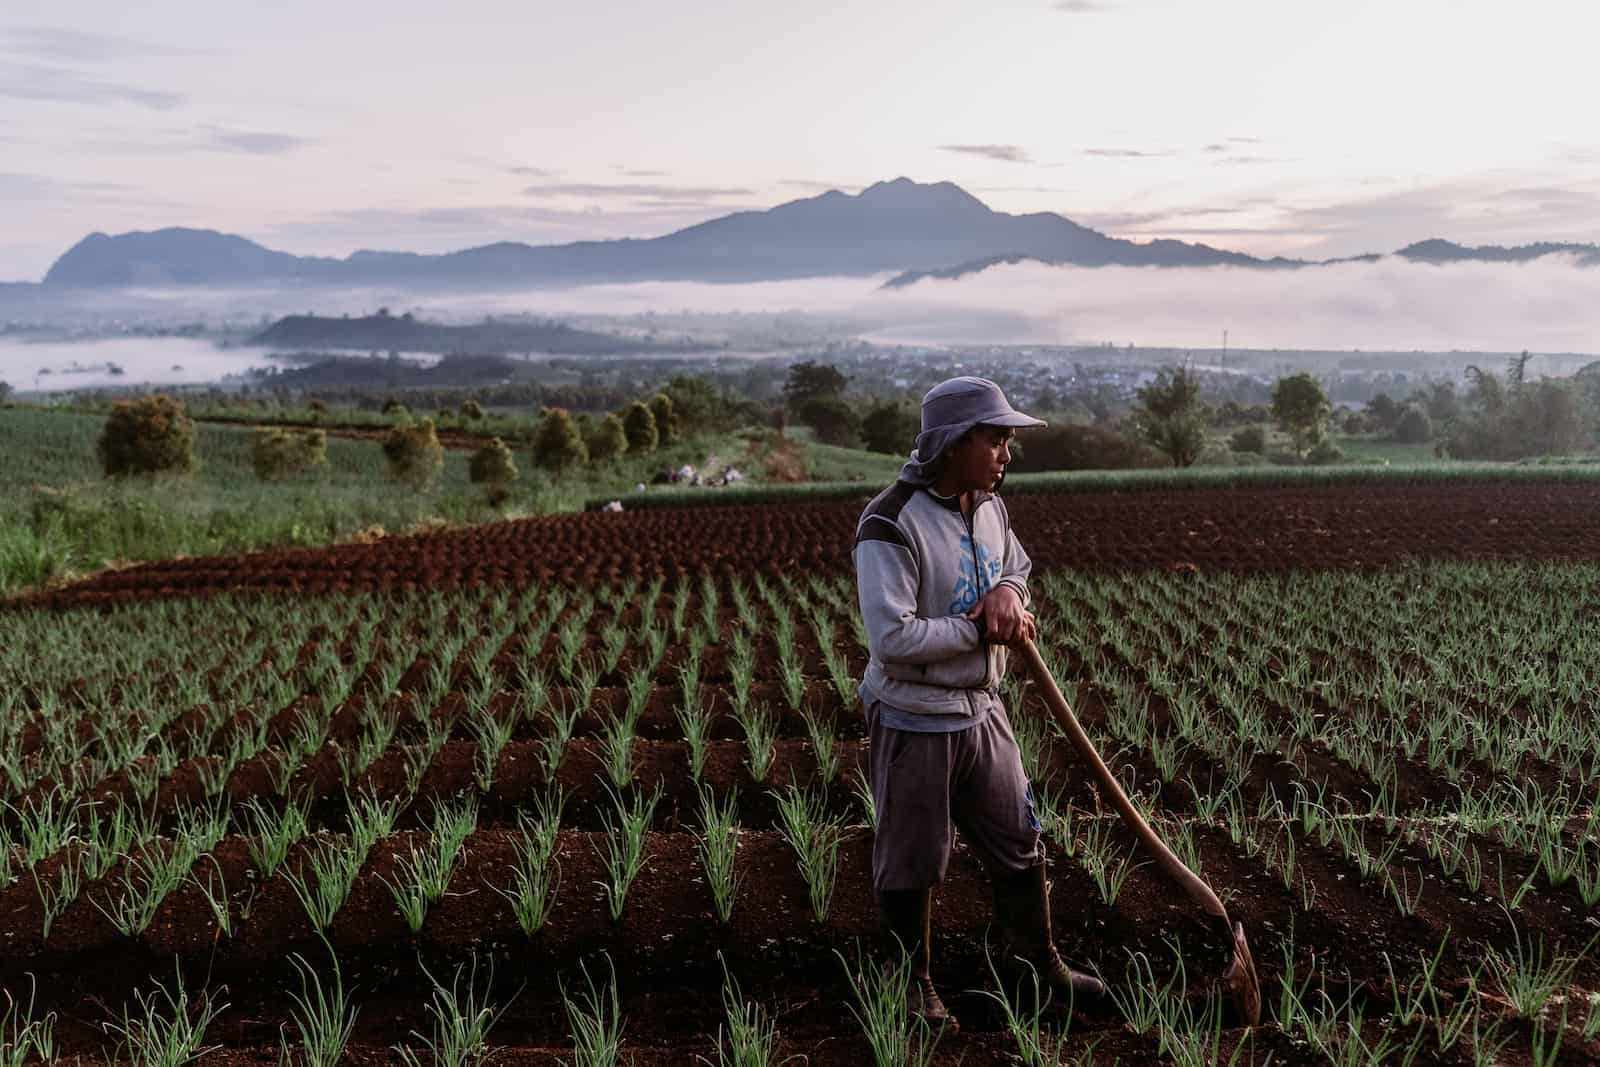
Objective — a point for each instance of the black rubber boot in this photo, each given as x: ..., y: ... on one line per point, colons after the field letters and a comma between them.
x: 1022, y: 911
x: 907, y: 917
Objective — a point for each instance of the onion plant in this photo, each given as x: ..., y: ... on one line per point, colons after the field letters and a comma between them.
x: 760, y: 738
x: 461, y: 1018
x: 623, y: 853
x: 748, y: 1037
x: 274, y: 833
x: 694, y: 720
x: 816, y: 838
x: 25, y: 1038
x: 424, y: 876
x: 536, y: 876
x: 57, y: 894
x: 823, y: 746
x: 165, y: 1029
x: 718, y: 841
x: 334, y: 864
x: 896, y: 1037
x: 595, y: 1017
x: 323, y: 1017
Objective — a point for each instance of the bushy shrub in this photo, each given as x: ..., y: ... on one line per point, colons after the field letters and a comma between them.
x: 1249, y: 439
x: 832, y: 420
x: 608, y: 439
x: 317, y: 407
x: 891, y: 428
x: 471, y: 409
x: 492, y: 463
x: 558, y: 445
x: 1413, y: 427
x: 279, y: 453
x: 414, y: 453
x: 666, y: 419
x: 150, y: 435
x: 5, y: 392
x: 639, y: 423
x: 1070, y: 447
x: 1323, y: 453
x: 392, y: 406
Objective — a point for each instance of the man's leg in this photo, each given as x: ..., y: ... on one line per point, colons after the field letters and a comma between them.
x: 911, y: 850
x: 994, y: 809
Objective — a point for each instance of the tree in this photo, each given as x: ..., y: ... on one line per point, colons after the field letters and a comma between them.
x: 1385, y: 410
x: 1301, y: 409
x: 891, y: 427
x: 640, y: 426
x: 5, y: 392
x: 276, y: 452
x: 608, y: 440
x: 666, y: 419
x: 1249, y: 439
x: 809, y: 381
x: 471, y: 409
x: 150, y: 435
x: 414, y: 453
x: 1413, y: 427
x: 1170, y: 417
x: 557, y: 445
x: 697, y: 405
x: 492, y: 463
x: 833, y: 420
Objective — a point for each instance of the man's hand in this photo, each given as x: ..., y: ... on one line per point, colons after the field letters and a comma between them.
x: 1006, y: 620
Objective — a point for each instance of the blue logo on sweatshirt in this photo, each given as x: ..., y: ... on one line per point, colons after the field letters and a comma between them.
x: 979, y: 572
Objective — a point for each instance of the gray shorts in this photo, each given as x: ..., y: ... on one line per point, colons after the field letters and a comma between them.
x: 927, y: 784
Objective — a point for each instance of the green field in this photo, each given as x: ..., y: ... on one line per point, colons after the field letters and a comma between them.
x: 59, y: 517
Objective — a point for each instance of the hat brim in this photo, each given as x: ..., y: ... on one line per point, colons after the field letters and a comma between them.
x: 1012, y: 420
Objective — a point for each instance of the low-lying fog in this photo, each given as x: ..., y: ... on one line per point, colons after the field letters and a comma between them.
x: 1548, y: 305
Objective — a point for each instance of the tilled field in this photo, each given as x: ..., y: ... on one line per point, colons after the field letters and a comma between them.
x: 1250, y: 529
x: 652, y: 785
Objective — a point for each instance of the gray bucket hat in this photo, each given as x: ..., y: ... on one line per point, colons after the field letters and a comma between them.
x: 949, y: 410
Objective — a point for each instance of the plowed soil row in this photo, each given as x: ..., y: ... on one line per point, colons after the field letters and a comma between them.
x: 1237, y: 529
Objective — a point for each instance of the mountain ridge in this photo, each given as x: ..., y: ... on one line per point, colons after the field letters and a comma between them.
x: 905, y: 228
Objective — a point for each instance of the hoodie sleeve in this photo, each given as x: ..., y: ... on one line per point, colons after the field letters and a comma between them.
x: 1015, y: 566
x: 886, y: 585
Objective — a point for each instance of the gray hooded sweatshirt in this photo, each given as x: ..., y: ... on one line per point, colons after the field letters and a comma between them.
x: 921, y: 565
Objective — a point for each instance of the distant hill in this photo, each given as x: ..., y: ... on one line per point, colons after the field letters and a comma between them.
x: 903, y: 227
x: 891, y: 226
x: 1440, y: 251
x: 403, y: 333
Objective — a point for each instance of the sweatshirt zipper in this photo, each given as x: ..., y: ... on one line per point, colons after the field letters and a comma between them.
x: 977, y: 585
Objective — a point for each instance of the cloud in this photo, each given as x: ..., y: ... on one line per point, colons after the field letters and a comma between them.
x: 223, y: 139
x: 19, y: 186
x: 53, y: 85
x: 1545, y: 305
x: 635, y: 190
x: 81, y: 46
x: 1005, y: 153
x: 1126, y: 153
x: 448, y: 229
x: 642, y: 173
x: 811, y: 183
x: 1254, y: 161
x: 533, y: 172
x: 1079, y: 7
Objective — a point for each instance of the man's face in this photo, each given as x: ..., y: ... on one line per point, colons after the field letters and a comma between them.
x: 979, y: 459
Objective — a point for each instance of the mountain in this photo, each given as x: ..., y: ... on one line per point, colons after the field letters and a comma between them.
x: 1440, y: 251
x: 915, y: 230
x: 891, y: 226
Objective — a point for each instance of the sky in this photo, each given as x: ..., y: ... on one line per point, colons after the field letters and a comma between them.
x: 1311, y: 128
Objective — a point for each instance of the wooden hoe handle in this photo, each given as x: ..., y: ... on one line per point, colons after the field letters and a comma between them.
x: 1192, y: 884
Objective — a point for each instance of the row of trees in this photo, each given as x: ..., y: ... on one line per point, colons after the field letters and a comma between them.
x: 1169, y: 416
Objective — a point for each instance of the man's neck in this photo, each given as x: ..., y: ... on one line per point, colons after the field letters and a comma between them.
x: 939, y: 488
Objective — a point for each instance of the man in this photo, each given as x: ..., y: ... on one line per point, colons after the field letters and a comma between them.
x: 943, y: 588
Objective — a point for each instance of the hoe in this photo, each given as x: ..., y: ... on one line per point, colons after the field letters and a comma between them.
x: 1240, y: 978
